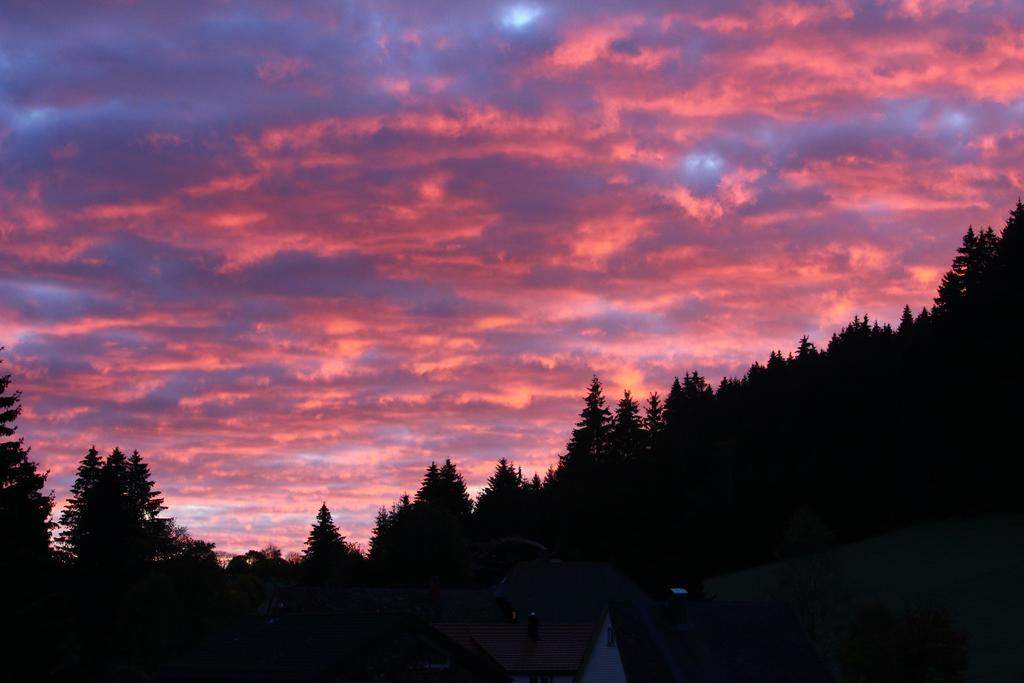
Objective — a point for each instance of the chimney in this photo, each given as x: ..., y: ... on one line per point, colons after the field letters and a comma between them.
x: 435, y: 597
x: 678, y: 603
x: 533, y: 626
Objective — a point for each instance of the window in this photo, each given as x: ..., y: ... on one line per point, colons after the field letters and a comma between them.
x: 611, y: 637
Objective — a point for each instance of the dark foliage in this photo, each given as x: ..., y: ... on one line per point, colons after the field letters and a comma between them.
x: 921, y: 644
x: 24, y: 507
x: 413, y: 543
x: 328, y: 558
x: 445, y: 488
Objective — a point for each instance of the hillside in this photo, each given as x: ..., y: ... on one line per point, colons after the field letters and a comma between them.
x: 971, y: 566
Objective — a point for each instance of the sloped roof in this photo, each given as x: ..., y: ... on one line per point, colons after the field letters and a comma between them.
x: 565, y: 592
x: 460, y: 605
x: 317, y: 648
x: 294, y: 647
x: 722, y: 642
x: 559, y: 649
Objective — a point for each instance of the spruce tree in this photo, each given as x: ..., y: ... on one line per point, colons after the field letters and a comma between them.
x: 805, y: 349
x: 445, y: 488
x: 72, y: 532
x: 627, y: 431
x: 654, y: 422
x: 430, y: 490
x: 906, y: 322
x: 106, y: 535
x: 455, y: 494
x: 499, y: 510
x: 326, y: 556
x: 144, y: 506
x: 589, y: 444
x: 24, y: 508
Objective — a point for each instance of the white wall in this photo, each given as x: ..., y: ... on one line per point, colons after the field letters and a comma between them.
x: 603, y: 664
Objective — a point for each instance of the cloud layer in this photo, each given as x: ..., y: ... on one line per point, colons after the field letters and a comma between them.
x: 292, y: 255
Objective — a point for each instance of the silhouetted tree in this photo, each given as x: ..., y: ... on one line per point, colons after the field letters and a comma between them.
x: 327, y: 557
x: 906, y: 322
x: 72, y: 532
x: 626, y: 435
x: 411, y: 543
x: 589, y: 443
x: 24, y: 508
x: 444, y: 487
x: 502, y: 506
x: 654, y: 422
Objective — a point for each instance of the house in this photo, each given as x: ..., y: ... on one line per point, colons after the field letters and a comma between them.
x: 564, y: 592
x: 545, y: 622
x: 637, y: 637
x: 335, y: 648
x: 528, y: 653
x: 425, y: 604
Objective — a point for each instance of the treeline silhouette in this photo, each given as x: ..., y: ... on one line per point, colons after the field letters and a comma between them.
x: 881, y: 428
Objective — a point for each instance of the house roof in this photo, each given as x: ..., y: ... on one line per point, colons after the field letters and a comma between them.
x: 559, y: 649
x: 317, y: 648
x: 735, y: 642
x: 462, y: 605
x: 566, y: 592
x: 312, y: 631
x: 293, y: 647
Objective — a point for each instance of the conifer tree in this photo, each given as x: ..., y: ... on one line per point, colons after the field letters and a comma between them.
x: 430, y: 488
x: 444, y: 487
x: 145, y: 506
x: 326, y: 556
x: 674, y: 409
x: 906, y: 322
x: 627, y: 431
x: 24, y: 508
x: 413, y: 542
x: 500, y: 508
x: 455, y: 494
x: 654, y: 422
x: 805, y: 349
x: 88, y: 475
x: 106, y: 534
x: 589, y: 443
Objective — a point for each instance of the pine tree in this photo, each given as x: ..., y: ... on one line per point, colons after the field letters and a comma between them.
x: 430, y: 490
x: 906, y: 322
x: 499, y: 510
x: 805, y: 349
x: 144, y: 507
x: 455, y: 494
x: 954, y: 286
x: 589, y: 443
x: 72, y: 532
x: 674, y: 408
x: 654, y: 422
x: 24, y: 508
x: 444, y: 487
x: 413, y: 542
x: 627, y: 431
x: 326, y: 556
x: 106, y: 535
x: 1009, y: 262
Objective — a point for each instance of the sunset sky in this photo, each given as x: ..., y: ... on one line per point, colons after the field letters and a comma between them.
x: 292, y: 255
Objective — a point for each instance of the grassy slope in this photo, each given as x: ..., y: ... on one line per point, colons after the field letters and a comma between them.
x: 974, y: 567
